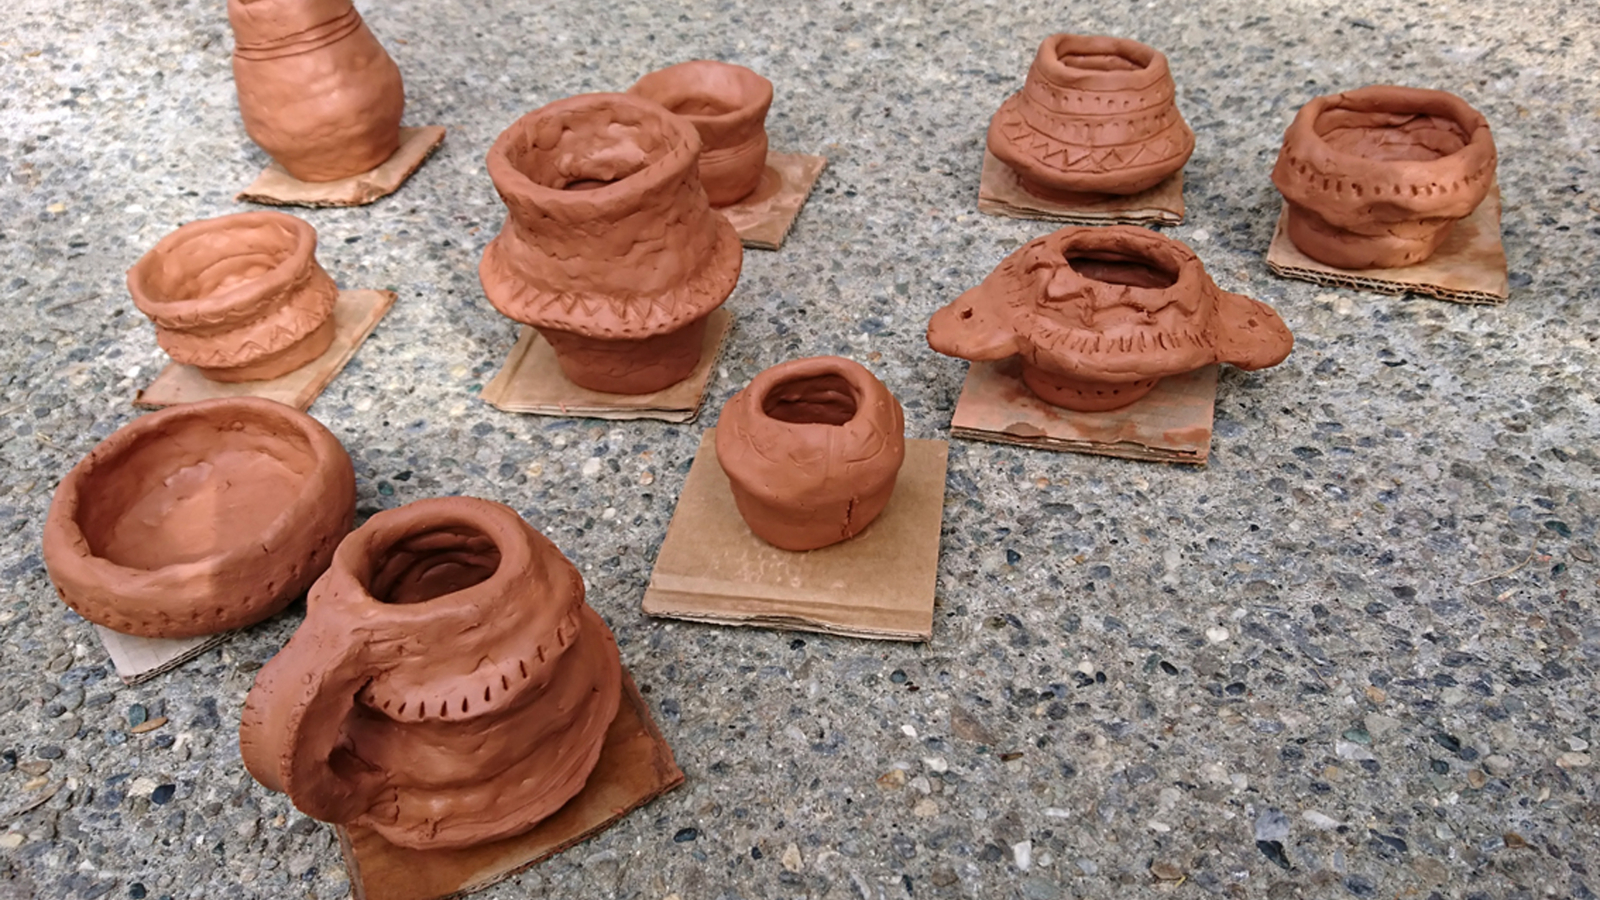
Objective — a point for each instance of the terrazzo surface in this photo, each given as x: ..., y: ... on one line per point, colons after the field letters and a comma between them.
x: 1356, y: 655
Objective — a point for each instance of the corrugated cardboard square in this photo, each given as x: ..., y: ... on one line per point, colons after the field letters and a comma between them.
x: 355, y: 315
x: 531, y: 382
x: 764, y: 218
x: 276, y: 187
x: 139, y: 659
x: 1171, y: 424
x: 879, y: 584
x: 1000, y: 193
x: 1469, y: 267
x: 635, y: 767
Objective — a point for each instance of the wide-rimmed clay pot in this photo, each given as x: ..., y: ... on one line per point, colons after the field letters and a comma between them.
x: 199, y: 518
x: 1375, y: 178
x: 1100, y: 315
x: 1097, y: 115
x: 316, y: 89
x: 448, y: 687
x: 811, y: 448
x: 240, y: 297
x: 610, y: 247
x: 727, y: 104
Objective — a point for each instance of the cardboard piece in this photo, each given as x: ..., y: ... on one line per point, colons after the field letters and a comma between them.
x: 635, y: 767
x: 531, y: 382
x: 1171, y: 424
x: 139, y: 659
x: 1000, y: 193
x: 355, y: 314
x: 276, y: 187
x: 1470, y: 267
x: 879, y: 584
x: 763, y: 219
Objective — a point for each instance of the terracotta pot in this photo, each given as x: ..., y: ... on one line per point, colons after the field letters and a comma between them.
x: 448, y: 687
x: 1100, y: 315
x: 240, y: 297
x: 316, y: 89
x: 811, y: 449
x: 1375, y: 178
x: 610, y: 247
x: 727, y: 105
x: 199, y: 518
x: 1097, y: 115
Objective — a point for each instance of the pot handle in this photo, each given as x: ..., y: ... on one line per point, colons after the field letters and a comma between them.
x: 291, y: 734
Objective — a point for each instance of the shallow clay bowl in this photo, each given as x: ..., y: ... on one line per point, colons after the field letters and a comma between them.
x: 199, y: 518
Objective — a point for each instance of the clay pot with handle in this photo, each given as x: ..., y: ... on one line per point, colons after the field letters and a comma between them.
x: 448, y: 687
x: 316, y: 89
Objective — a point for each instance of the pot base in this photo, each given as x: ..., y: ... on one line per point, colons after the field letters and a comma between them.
x: 1084, y: 396
x: 287, y: 360
x: 628, y: 367
x: 1400, y: 244
x: 1070, y: 199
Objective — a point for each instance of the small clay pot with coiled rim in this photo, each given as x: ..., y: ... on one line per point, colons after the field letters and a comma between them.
x: 240, y: 297
x: 811, y: 448
x: 199, y: 518
x: 1376, y: 178
x: 727, y: 105
x: 449, y: 686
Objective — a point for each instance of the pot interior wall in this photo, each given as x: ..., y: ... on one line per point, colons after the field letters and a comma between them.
x: 430, y: 564
x: 813, y: 400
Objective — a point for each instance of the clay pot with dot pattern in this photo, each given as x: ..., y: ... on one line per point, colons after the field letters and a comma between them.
x: 448, y: 687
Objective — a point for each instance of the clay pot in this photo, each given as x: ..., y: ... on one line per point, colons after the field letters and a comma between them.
x: 448, y: 687
x: 239, y: 297
x: 1375, y: 178
x: 610, y: 247
x: 199, y: 518
x: 1096, y: 116
x: 316, y: 89
x: 811, y: 449
x: 1100, y: 315
x: 727, y: 105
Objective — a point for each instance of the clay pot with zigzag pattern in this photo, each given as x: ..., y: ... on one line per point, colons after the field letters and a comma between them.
x: 1096, y: 116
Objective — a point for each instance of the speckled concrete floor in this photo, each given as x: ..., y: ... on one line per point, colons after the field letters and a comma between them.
x: 1356, y: 655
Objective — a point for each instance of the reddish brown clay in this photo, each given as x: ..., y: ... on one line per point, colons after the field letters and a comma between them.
x: 239, y: 297
x: 811, y: 449
x: 199, y: 518
x: 1100, y: 315
x: 1096, y: 116
x: 316, y: 89
x: 610, y: 247
x: 448, y: 687
x: 727, y: 105
x: 1376, y: 177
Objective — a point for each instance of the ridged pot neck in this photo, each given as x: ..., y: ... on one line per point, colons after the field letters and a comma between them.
x: 269, y: 24
x: 1381, y: 106
x: 172, y: 282
x: 633, y: 145
x: 687, y: 88
x: 1096, y: 63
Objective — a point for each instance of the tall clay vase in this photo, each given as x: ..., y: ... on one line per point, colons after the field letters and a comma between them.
x: 448, y: 687
x: 240, y: 297
x: 1100, y: 315
x: 1376, y: 178
x: 1097, y: 115
x: 316, y: 89
x: 199, y: 518
x: 811, y: 449
x: 610, y: 247
x: 727, y: 105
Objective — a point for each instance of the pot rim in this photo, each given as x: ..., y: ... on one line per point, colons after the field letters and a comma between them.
x: 618, y: 196
x: 861, y: 383
x: 1380, y: 98
x: 756, y: 108
x: 61, y: 523
x: 239, y: 301
x: 1152, y: 63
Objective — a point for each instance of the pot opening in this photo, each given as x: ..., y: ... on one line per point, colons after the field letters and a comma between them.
x: 702, y: 105
x: 217, y: 260
x: 1089, y: 55
x: 812, y: 400
x: 1392, y: 135
x: 594, y: 147
x: 1124, y: 269
x: 432, y: 563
